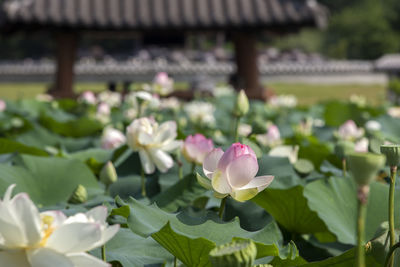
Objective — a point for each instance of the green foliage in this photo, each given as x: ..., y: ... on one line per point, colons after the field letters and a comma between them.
x: 394, y: 85
x: 335, y: 202
x: 48, y: 181
x: 361, y: 32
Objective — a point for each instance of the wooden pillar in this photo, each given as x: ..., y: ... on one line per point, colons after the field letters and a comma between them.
x: 65, y: 55
x: 246, y: 62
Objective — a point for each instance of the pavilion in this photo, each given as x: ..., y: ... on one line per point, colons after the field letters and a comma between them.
x: 244, y: 20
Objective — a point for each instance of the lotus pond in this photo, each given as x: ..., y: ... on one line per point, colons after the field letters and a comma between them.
x: 144, y: 180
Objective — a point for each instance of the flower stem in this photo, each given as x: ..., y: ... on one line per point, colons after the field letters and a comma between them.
x: 193, y: 167
x: 390, y: 253
x: 222, y: 207
x: 393, y: 172
x: 362, y: 196
x: 143, y: 181
x: 236, y: 129
x: 344, y: 166
x: 175, y: 262
x: 180, y: 166
x: 103, y: 253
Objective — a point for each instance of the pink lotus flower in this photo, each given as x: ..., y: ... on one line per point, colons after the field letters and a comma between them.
x: 103, y: 109
x: 196, y: 148
x: 163, y: 84
x: 349, y: 131
x: 3, y: 105
x: 88, y: 97
x: 162, y: 79
x: 271, y: 138
x: 112, y: 138
x: 361, y: 145
x: 233, y: 173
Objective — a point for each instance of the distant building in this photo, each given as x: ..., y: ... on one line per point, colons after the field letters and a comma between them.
x: 242, y: 20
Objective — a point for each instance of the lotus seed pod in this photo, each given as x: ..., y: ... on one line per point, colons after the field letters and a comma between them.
x: 304, y: 167
x: 79, y: 196
x: 108, y: 174
x: 238, y: 253
x: 343, y: 148
x: 365, y: 166
x: 392, y: 153
x: 242, y: 104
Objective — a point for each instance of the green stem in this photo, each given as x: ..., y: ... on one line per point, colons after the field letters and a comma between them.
x: 344, y: 167
x: 180, y: 169
x: 222, y: 207
x: 393, y: 172
x: 103, y: 253
x: 143, y: 182
x: 175, y: 262
x: 139, y: 114
x: 390, y: 253
x: 236, y: 129
x: 362, y: 210
x: 193, y: 167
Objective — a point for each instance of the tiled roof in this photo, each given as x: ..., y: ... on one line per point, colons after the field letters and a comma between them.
x: 390, y: 62
x: 162, y: 14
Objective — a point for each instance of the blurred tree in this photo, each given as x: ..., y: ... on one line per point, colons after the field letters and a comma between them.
x: 362, y: 31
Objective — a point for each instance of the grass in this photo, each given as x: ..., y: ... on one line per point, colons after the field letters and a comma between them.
x: 307, y: 94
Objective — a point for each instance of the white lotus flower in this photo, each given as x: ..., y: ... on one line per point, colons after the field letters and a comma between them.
x: 112, y: 138
x: 153, y: 141
x: 290, y: 152
x: 44, y: 98
x: 359, y: 100
x: 394, y: 112
x: 141, y: 100
x: 284, y: 101
x: 113, y: 99
x: 200, y: 112
x: 373, y: 126
x: 170, y: 103
x: 32, y: 239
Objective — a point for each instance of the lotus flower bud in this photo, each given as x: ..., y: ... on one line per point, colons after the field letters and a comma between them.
x: 108, y: 174
x: 195, y: 148
x: 239, y: 253
x: 364, y: 166
x: 79, y: 195
x: 392, y: 153
x: 242, y: 104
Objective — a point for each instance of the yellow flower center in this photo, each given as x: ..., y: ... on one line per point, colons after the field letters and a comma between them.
x: 47, y: 221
